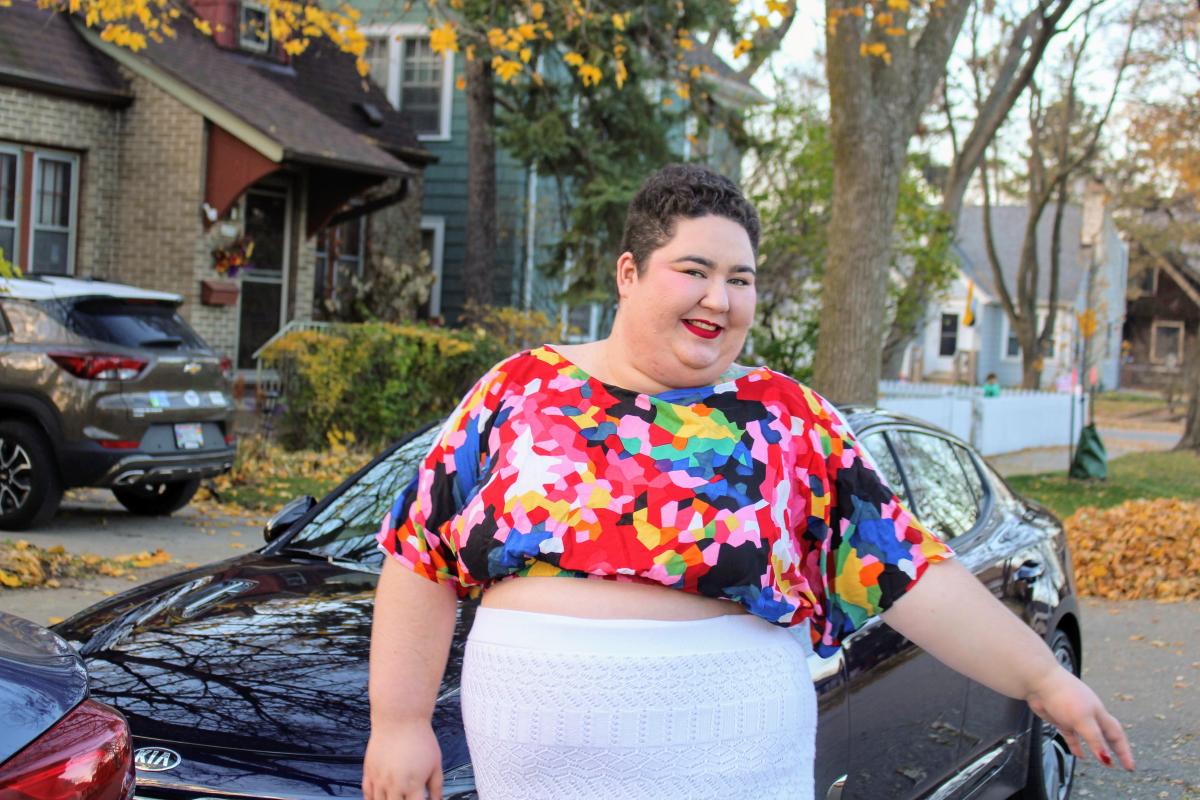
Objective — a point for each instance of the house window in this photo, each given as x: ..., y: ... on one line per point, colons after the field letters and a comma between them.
x: 1166, y: 343
x: 10, y: 161
x: 1012, y: 345
x: 254, y: 28
x: 340, y: 250
x: 433, y: 238
x: 416, y: 80
x: 52, y: 227
x: 949, y: 339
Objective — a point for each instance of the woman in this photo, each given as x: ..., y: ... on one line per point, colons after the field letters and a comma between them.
x: 712, y: 506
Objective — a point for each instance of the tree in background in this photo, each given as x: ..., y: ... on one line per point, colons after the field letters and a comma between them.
x: 1064, y: 140
x: 1157, y: 176
x: 1007, y: 43
x: 792, y: 185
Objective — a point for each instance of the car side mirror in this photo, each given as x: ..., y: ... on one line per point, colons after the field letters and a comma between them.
x: 288, y: 516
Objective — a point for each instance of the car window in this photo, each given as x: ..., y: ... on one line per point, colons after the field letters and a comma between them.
x: 346, y: 528
x: 29, y: 323
x: 942, y: 496
x: 972, y: 473
x: 133, y: 324
x: 878, y: 449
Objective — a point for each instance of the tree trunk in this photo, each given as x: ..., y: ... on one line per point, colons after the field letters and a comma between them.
x: 1191, y: 430
x: 847, y: 368
x: 479, y: 265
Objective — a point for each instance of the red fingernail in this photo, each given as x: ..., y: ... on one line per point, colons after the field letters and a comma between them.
x: 1106, y: 759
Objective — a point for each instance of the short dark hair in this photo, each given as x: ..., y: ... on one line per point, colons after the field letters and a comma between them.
x: 683, y: 191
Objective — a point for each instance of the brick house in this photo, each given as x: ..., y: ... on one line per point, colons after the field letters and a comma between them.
x: 135, y: 167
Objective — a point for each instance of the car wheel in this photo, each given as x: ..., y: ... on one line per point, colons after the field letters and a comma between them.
x: 30, y: 488
x: 1051, y: 764
x: 156, y: 499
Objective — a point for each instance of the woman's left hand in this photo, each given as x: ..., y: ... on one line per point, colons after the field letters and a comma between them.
x: 1069, y: 705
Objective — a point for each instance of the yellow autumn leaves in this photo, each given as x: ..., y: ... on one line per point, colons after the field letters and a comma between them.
x: 1141, y: 549
x: 23, y: 565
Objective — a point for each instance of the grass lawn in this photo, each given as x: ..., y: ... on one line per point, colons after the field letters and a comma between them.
x: 1134, y: 476
x: 272, y: 494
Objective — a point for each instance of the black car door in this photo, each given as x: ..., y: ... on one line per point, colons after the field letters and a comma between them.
x: 906, y: 708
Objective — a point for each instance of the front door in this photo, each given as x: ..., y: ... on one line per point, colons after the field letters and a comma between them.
x: 263, y: 286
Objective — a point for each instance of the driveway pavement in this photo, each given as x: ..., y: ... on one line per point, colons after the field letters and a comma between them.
x: 92, y: 521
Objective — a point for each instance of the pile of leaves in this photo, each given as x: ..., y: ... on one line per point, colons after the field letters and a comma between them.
x: 1141, y: 549
x: 23, y: 565
x: 265, y: 475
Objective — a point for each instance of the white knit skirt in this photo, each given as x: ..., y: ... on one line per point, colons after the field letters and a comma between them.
x: 572, y: 708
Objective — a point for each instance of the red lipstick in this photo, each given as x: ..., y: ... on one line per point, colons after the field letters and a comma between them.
x: 703, y: 333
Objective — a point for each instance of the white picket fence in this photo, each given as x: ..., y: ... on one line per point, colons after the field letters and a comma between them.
x: 1016, y: 420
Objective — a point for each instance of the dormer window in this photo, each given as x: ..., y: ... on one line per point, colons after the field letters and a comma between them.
x: 254, y: 28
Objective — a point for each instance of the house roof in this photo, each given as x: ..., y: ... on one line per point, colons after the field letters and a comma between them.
x: 200, y: 74
x: 725, y: 76
x: 40, y: 50
x: 326, y: 78
x: 1008, y: 229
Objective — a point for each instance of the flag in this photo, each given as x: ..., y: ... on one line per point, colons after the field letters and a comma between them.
x: 968, y: 318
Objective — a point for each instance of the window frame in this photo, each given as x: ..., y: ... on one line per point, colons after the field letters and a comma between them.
x: 1167, y: 323
x: 396, y: 35
x: 39, y: 156
x: 248, y: 40
x: 19, y: 177
x: 1007, y: 333
x: 436, y: 224
x: 968, y: 537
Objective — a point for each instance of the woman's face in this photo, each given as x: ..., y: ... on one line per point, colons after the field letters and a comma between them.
x: 687, y: 314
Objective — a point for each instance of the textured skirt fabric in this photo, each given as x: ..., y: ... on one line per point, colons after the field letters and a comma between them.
x: 571, y: 708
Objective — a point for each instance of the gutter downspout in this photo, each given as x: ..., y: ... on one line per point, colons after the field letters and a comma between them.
x: 530, y: 237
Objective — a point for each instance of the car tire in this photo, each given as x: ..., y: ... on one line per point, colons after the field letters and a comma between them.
x: 156, y: 499
x: 30, y: 487
x: 1051, y: 764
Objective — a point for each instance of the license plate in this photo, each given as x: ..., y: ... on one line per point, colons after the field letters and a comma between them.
x: 189, y: 436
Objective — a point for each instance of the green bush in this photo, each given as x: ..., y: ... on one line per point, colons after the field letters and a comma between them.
x: 374, y: 380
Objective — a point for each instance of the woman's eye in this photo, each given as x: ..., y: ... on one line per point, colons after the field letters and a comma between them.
x: 698, y: 273
x: 740, y: 281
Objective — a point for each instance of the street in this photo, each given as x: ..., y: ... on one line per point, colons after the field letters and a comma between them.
x: 1141, y: 657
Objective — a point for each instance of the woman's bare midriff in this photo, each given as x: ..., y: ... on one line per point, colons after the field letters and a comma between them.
x: 603, y: 599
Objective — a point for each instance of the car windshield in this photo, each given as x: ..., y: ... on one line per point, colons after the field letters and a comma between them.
x: 133, y: 324
x: 345, y: 529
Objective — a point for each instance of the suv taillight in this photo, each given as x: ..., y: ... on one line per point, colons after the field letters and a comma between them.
x: 87, y: 755
x: 98, y: 366
x: 227, y: 368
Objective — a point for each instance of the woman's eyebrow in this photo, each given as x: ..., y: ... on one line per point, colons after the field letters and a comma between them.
x: 707, y: 262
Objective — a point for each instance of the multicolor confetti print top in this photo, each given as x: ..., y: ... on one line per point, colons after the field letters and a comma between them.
x: 751, y: 490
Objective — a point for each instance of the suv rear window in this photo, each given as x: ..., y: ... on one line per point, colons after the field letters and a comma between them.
x: 133, y: 324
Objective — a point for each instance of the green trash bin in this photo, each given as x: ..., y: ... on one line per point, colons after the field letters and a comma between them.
x: 1091, y: 459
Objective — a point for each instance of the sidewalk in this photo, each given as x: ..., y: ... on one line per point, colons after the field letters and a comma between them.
x: 1117, y: 441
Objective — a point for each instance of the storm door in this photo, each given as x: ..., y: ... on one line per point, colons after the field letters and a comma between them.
x: 264, y: 286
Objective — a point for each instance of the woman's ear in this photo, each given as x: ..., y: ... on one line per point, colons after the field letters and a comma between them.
x: 627, y: 274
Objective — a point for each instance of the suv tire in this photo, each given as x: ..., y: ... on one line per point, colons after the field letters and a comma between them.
x: 30, y: 488
x: 156, y: 499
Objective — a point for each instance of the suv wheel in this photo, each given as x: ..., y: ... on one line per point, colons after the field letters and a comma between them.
x: 156, y: 499
x: 30, y: 489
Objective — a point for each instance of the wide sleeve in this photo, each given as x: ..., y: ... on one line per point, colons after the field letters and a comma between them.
x: 418, y: 530
x: 873, y: 550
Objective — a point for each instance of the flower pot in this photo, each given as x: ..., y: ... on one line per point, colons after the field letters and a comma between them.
x: 218, y: 293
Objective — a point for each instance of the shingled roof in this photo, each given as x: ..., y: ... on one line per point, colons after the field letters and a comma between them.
x: 1008, y: 228
x: 40, y: 50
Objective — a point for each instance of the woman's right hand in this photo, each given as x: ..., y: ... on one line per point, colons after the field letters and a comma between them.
x: 403, y: 762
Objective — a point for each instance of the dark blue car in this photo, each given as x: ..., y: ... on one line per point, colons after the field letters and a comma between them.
x: 55, y: 742
x: 248, y: 678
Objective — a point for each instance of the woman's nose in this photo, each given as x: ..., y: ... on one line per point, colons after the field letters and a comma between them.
x: 717, y: 297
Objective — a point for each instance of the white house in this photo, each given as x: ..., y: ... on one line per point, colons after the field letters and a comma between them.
x: 1093, y: 267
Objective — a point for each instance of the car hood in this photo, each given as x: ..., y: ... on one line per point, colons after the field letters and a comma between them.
x: 41, y: 679
x: 264, y: 653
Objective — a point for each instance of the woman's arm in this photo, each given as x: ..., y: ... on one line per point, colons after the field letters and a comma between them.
x: 410, y: 641
x: 954, y: 617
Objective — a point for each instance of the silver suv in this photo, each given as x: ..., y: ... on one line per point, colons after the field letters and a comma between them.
x: 103, y: 384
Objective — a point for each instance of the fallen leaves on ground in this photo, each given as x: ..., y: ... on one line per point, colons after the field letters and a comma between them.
x: 1139, y: 550
x: 24, y: 565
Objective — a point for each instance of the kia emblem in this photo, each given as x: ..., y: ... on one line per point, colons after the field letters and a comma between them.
x: 155, y: 759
